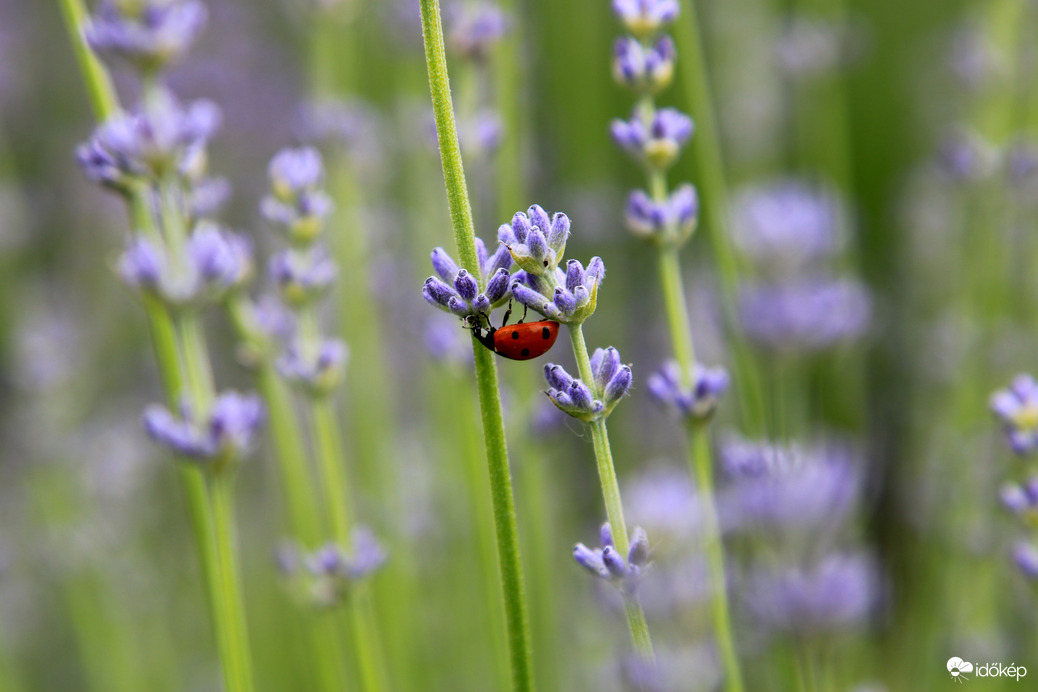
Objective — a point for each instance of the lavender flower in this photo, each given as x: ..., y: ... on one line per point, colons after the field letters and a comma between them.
x: 535, y: 241
x: 327, y: 575
x: 302, y: 276
x: 477, y: 28
x: 694, y: 397
x: 964, y: 156
x: 297, y: 204
x: 457, y: 291
x: 569, y: 297
x: 809, y: 314
x: 644, y: 69
x: 147, y: 33
x: 1017, y: 408
x: 787, y: 225
x: 670, y: 222
x: 591, y: 402
x: 215, y: 261
x: 809, y: 47
x: 318, y: 373
x: 159, y: 139
x: 1025, y: 555
x: 643, y: 18
x: 839, y: 592
x: 786, y: 487
x: 207, y: 197
x: 223, y: 436
x: 655, y: 139
x: 608, y: 564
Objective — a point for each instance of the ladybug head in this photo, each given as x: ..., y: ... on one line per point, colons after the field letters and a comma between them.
x: 485, y: 335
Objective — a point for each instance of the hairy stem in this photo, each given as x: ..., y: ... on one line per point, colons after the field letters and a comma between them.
x: 508, y: 548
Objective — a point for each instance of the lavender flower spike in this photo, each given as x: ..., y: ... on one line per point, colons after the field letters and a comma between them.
x: 1017, y: 409
x: 612, y: 380
x: 1026, y: 557
x: 643, y: 18
x: 655, y: 139
x: 457, y: 291
x: 536, y: 241
x: 330, y: 571
x: 477, y: 28
x: 670, y: 222
x: 224, y: 436
x: 149, y: 34
x: 608, y: 564
x: 302, y: 276
x: 569, y: 297
x: 695, y: 398
x: 644, y: 69
x: 297, y: 204
x: 318, y: 373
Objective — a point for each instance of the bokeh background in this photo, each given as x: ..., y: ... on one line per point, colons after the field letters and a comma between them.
x: 884, y: 555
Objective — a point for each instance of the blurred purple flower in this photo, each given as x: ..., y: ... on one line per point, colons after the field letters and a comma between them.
x: 225, y: 435
x: 810, y: 314
x: 608, y: 564
x: 694, y: 397
x: 839, y: 592
x: 1016, y: 407
x: 671, y: 221
x: 146, y: 33
x: 317, y: 373
x: 646, y: 69
x: 643, y: 18
x: 1025, y: 555
x: 655, y: 138
x: 475, y: 29
x: 297, y: 203
x: 302, y: 276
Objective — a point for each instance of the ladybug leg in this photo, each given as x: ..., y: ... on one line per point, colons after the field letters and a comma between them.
x: 508, y: 313
x: 525, y: 308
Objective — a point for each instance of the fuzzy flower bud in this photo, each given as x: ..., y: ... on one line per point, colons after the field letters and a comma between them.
x: 302, y: 276
x: 224, y: 436
x: 297, y: 204
x: 670, y: 222
x: 317, y: 374
x: 160, y: 138
x: 477, y: 29
x: 574, y: 296
x: 150, y: 35
x: 606, y: 563
x: 535, y: 241
x: 643, y: 18
x: 325, y: 576
x: 1016, y: 407
x: 694, y: 399
x: 655, y: 139
x: 457, y: 291
x: 644, y: 69
x: 594, y: 401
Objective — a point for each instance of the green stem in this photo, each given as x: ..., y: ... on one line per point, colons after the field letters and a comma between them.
x: 636, y: 623
x: 227, y: 599
x: 673, y: 289
x: 701, y: 460
x: 103, y: 99
x: 509, y: 553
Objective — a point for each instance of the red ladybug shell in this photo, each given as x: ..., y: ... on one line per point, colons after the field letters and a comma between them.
x: 525, y: 341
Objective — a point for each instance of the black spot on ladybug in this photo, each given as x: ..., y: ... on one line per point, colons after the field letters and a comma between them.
x: 525, y: 352
x: 545, y: 333
x: 515, y: 335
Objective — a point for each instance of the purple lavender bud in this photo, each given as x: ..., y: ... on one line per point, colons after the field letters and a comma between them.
x: 520, y: 228
x: 575, y: 275
x: 476, y: 30
x: 643, y: 18
x: 613, y: 562
x: 538, y: 246
x: 226, y: 435
x: 501, y: 259
x: 444, y: 265
x: 591, y: 560
x: 669, y: 222
x: 1015, y: 499
x: 580, y: 394
x: 559, y: 232
x: 208, y: 196
x: 530, y: 298
x: 638, y: 556
x: 557, y: 377
x: 302, y: 277
x: 1026, y: 557
x: 694, y: 397
x: 317, y: 373
x: 235, y: 421
x: 142, y: 265
x: 534, y: 240
x: 644, y: 69
x: 150, y: 35
x: 466, y: 286
x: 539, y: 218
x: 565, y: 301
x: 328, y: 560
x: 297, y: 204
x: 605, y: 363
x: 222, y: 260
x: 497, y: 287
x: 293, y: 171
x: 1016, y: 407
x: 605, y: 534
x: 102, y: 166
x: 368, y: 553
x: 437, y: 292
x: 595, y: 271
x: 617, y: 387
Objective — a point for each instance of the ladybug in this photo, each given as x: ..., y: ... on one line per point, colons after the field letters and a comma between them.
x: 519, y: 341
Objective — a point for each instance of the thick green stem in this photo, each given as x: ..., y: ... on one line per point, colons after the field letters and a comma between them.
x: 486, y: 373
x: 636, y: 623
x: 701, y: 460
x: 228, y: 601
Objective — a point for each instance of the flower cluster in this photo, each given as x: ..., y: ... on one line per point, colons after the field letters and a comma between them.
x: 644, y: 18
x: 325, y: 576
x: 693, y: 396
x: 297, y: 204
x: 655, y: 138
x: 216, y: 438
x: 458, y: 292
x: 569, y: 297
x: 644, y: 68
x: 536, y: 241
x: 149, y: 34
x: 806, y: 315
x: 594, y: 401
x: 214, y: 261
x: 476, y: 29
x: 1016, y: 407
x: 607, y: 563
x: 669, y: 221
